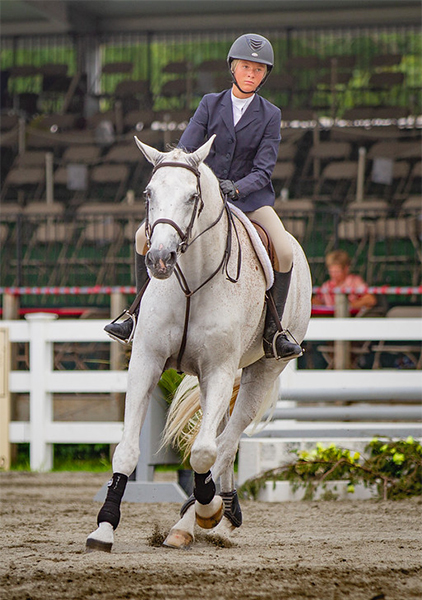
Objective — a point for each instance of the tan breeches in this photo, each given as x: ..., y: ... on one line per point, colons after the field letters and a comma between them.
x: 268, y: 218
x: 265, y: 216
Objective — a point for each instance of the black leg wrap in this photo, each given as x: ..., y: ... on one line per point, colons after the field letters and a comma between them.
x: 187, y: 504
x: 110, y: 511
x: 204, y: 490
x: 232, y: 507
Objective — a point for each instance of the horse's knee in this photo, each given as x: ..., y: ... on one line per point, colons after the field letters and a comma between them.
x: 126, y: 458
x: 203, y: 457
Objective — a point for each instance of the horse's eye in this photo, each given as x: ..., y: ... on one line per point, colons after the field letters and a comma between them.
x: 193, y: 198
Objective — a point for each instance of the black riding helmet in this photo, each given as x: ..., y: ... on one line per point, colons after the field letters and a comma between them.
x: 252, y: 47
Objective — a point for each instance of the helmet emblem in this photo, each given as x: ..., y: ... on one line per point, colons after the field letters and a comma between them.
x: 255, y: 44
x: 254, y: 54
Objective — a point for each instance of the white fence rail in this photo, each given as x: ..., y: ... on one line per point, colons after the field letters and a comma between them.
x: 41, y: 381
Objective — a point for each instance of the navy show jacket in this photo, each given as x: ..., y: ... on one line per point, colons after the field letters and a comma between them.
x: 245, y: 154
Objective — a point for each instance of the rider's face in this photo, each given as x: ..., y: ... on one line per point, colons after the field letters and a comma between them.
x: 249, y: 76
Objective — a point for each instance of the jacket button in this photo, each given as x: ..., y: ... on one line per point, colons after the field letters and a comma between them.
x: 228, y: 156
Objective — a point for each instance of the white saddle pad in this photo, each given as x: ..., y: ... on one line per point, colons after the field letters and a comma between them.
x: 259, y: 247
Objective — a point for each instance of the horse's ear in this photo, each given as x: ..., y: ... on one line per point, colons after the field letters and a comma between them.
x: 201, y: 154
x: 151, y: 154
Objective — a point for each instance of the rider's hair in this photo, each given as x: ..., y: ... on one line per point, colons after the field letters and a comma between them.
x: 337, y: 257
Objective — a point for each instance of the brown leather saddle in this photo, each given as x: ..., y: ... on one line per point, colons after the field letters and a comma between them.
x: 268, y: 244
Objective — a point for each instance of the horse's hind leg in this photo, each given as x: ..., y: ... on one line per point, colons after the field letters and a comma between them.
x: 232, y: 516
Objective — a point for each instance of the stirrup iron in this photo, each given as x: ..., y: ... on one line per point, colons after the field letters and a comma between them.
x: 130, y: 338
x: 274, y: 344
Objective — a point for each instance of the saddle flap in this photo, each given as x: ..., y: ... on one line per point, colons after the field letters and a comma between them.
x: 268, y: 243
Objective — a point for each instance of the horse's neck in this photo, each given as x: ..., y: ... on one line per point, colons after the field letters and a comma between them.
x: 213, y: 209
x: 210, y: 234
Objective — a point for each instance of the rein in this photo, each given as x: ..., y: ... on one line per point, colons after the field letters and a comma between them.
x: 186, y: 242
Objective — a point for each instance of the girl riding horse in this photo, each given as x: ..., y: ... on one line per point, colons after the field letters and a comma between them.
x: 247, y: 129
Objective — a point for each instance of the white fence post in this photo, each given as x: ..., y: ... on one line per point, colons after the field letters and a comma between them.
x: 40, y: 399
x: 4, y: 399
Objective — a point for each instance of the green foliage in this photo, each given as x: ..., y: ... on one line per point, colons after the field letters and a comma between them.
x: 150, y: 54
x: 399, y: 465
x: 81, y: 457
x: 169, y: 382
x: 20, y: 459
x: 69, y: 457
x: 394, y: 468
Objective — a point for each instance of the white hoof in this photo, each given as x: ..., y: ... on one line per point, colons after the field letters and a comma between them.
x: 178, y: 539
x: 101, y: 539
x: 209, y: 515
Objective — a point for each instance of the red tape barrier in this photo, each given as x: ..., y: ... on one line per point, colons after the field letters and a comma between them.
x: 98, y: 289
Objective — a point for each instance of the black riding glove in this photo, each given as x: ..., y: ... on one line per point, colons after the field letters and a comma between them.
x: 229, y: 189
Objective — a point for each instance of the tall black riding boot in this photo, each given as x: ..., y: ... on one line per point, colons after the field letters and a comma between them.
x: 123, y: 331
x: 276, y: 344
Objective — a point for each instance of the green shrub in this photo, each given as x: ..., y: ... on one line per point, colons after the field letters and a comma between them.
x: 394, y: 468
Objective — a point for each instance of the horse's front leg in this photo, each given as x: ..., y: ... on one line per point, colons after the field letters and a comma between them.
x: 257, y: 380
x: 142, y: 379
x: 215, y: 398
x: 259, y: 383
x: 181, y: 534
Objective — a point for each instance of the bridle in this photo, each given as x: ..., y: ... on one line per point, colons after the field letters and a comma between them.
x: 197, y: 207
x: 186, y: 242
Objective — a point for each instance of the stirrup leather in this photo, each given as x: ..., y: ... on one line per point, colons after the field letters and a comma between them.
x: 130, y: 338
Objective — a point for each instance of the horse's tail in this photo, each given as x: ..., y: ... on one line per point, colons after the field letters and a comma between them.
x: 184, y: 416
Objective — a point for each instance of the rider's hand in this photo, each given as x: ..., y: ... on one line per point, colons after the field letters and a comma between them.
x: 229, y: 189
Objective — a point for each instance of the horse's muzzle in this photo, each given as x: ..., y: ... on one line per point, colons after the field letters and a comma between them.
x: 160, y: 263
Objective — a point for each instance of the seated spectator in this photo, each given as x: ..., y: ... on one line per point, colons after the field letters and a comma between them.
x: 338, y: 265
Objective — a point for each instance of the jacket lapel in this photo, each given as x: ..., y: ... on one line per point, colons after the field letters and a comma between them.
x: 227, y: 112
x: 250, y: 114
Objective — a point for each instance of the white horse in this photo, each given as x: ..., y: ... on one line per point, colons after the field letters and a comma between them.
x: 203, y: 312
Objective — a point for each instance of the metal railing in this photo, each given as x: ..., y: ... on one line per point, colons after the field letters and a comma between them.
x: 79, y: 248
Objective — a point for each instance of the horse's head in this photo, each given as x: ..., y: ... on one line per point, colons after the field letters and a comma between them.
x: 173, y: 203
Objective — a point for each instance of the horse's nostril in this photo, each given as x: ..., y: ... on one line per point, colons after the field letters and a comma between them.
x: 160, y: 262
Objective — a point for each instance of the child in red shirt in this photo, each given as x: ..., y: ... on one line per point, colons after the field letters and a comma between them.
x: 338, y: 265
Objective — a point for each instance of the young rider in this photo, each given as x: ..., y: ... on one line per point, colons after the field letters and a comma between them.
x: 243, y: 156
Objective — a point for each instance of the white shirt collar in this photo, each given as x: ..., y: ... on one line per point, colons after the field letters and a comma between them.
x: 239, y: 106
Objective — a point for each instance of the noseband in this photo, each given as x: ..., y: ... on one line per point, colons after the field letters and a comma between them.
x: 197, y: 208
